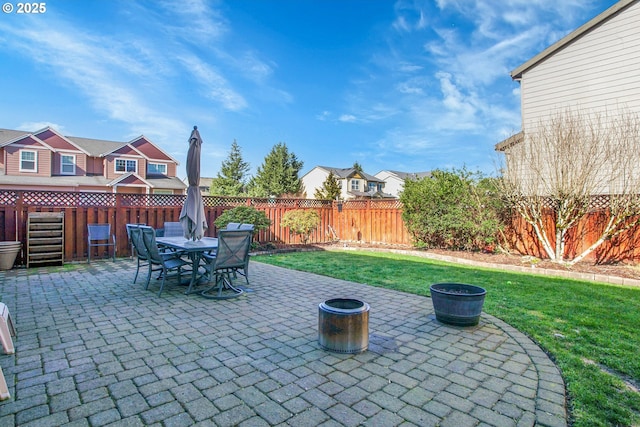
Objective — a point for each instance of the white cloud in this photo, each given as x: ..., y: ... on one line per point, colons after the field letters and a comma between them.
x: 214, y: 86
x: 461, y: 108
x: 347, y: 118
x: 192, y: 20
x: 414, y: 86
x: 323, y: 116
x: 406, y: 67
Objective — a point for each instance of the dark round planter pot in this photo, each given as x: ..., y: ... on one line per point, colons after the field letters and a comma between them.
x: 457, y: 303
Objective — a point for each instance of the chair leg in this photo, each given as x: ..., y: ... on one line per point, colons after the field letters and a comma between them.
x: 137, y: 271
x: 245, y: 273
x: 148, y: 277
x: 223, y: 282
x: 164, y: 275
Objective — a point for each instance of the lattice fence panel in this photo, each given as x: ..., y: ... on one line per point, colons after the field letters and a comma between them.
x: 597, y: 203
x: 386, y: 204
x: 356, y: 204
x: 267, y: 202
x: 63, y: 199
x: 312, y: 203
x: 8, y: 198
x: 152, y: 199
x: 216, y: 201
x: 600, y: 202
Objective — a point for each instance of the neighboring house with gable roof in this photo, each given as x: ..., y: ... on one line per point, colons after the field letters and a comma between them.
x: 593, y: 70
x: 47, y: 160
x: 394, y: 180
x: 353, y: 183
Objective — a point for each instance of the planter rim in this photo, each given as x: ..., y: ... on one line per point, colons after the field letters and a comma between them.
x: 441, y: 288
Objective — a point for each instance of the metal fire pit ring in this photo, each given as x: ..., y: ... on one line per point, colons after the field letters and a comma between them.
x: 343, y: 325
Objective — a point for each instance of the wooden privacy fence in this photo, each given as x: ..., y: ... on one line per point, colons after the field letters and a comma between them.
x: 366, y: 221
x: 625, y: 246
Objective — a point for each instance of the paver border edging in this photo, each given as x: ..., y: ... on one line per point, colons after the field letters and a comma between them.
x: 551, y: 386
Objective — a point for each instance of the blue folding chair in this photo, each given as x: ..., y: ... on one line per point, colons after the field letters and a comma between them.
x: 99, y: 235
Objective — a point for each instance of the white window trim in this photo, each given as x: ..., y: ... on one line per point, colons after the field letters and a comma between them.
x: 357, y: 185
x: 115, y: 166
x: 35, y: 161
x: 73, y: 163
x: 158, y: 164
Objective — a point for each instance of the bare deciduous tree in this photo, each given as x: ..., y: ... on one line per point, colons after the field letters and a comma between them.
x: 554, y: 174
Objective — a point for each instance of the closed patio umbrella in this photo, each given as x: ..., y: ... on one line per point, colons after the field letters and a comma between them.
x: 192, y: 215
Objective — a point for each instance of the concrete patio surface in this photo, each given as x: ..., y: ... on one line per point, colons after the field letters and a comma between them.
x: 93, y: 349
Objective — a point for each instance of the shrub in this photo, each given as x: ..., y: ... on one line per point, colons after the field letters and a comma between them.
x: 301, y: 222
x: 453, y: 209
x: 243, y: 214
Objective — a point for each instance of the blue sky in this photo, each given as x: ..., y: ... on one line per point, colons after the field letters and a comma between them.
x: 401, y: 85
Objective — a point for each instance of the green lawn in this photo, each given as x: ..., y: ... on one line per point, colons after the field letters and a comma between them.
x: 591, y: 330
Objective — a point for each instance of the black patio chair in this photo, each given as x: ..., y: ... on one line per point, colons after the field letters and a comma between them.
x: 139, y: 248
x: 164, y: 261
x: 128, y: 227
x: 232, y: 255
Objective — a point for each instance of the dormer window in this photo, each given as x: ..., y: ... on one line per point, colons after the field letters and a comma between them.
x: 28, y: 161
x: 157, y: 169
x: 67, y: 164
x: 123, y: 165
x: 355, y: 184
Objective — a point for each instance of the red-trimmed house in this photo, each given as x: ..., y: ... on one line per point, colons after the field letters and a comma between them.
x: 47, y: 160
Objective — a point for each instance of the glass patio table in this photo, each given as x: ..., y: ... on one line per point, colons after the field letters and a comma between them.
x: 194, y: 250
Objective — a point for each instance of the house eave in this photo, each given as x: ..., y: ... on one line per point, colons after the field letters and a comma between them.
x: 516, y: 74
x: 510, y: 142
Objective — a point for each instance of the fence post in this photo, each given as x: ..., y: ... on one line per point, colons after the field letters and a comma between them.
x: 21, y: 225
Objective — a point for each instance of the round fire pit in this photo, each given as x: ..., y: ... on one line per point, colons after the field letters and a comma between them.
x: 343, y: 325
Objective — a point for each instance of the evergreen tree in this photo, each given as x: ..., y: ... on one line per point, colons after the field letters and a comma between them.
x: 278, y: 174
x: 357, y: 166
x: 232, y: 178
x: 330, y: 189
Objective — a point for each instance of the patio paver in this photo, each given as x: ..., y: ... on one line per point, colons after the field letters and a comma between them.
x: 95, y: 349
